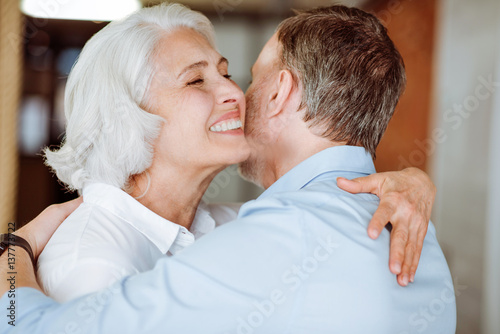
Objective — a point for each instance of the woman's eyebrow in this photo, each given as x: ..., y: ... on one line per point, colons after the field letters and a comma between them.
x: 199, y: 64
x: 223, y: 60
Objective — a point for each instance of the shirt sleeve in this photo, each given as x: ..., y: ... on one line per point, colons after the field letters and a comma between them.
x: 214, y: 286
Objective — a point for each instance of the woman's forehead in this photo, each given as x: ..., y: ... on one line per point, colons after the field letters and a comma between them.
x: 184, y: 47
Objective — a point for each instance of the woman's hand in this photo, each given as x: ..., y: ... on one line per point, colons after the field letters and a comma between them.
x: 406, y: 200
x: 40, y: 230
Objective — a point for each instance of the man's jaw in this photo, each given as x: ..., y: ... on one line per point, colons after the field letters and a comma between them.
x: 257, y: 166
x: 250, y: 171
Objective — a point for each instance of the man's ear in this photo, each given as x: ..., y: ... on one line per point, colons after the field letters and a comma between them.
x: 283, y: 94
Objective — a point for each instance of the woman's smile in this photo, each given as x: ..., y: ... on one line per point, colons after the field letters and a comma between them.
x: 229, y: 123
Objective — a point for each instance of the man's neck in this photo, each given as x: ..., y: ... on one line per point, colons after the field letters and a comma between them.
x: 288, y: 156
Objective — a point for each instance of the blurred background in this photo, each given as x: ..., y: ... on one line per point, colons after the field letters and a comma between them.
x: 447, y: 123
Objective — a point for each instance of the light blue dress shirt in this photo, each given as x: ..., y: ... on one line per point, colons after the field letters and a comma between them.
x: 297, y: 260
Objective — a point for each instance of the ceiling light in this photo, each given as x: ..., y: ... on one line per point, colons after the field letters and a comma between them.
x: 88, y: 10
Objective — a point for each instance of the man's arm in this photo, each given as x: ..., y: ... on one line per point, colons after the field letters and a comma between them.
x: 238, y: 278
x: 406, y: 200
x: 37, y: 233
x: 207, y: 288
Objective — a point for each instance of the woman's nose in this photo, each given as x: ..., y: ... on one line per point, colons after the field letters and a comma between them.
x: 229, y: 92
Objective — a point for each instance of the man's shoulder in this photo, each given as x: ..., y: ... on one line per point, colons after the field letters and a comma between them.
x: 321, y: 199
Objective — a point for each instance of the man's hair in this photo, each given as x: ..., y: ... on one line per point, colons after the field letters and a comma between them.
x: 351, y: 73
x: 110, y: 132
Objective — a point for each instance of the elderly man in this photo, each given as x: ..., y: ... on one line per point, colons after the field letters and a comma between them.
x: 297, y: 259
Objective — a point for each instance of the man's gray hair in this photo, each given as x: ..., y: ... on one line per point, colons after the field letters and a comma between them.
x: 110, y: 134
x: 351, y: 73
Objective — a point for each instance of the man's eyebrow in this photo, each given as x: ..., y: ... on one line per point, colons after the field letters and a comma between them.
x: 199, y: 64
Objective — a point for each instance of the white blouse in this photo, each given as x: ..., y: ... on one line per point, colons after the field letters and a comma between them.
x: 110, y: 236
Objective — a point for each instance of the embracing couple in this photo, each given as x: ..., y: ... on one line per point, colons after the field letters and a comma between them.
x: 153, y: 116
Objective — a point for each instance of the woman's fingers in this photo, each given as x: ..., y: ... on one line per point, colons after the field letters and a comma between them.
x: 411, y: 229
x: 399, y: 239
x: 409, y: 254
x: 370, y: 184
x: 380, y: 218
x: 409, y: 268
x: 416, y: 258
x: 406, y: 199
x: 365, y: 184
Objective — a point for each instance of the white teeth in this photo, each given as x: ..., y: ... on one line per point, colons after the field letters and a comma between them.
x: 228, y: 125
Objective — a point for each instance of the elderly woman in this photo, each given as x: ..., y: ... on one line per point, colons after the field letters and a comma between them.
x: 152, y: 116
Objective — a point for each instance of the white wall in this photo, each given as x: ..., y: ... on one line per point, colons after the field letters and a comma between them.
x: 491, y: 287
x: 466, y: 213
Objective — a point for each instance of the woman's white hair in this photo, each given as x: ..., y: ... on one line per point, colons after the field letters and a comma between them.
x: 109, y: 134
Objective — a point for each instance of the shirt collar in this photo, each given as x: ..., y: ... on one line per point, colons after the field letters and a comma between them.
x: 164, y: 234
x: 203, y: 221
x: 338, y: 158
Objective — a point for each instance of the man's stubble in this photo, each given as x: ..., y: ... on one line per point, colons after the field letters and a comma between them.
x: 253, y: 168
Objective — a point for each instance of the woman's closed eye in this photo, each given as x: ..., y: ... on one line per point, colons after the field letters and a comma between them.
x: 199, y: 81
x: 196, y: 82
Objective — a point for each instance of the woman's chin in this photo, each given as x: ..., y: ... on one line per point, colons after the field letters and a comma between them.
x: 236, y: 154
x: 238, y: 158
